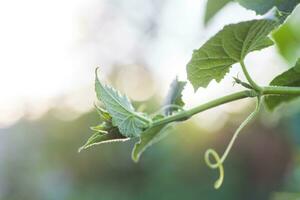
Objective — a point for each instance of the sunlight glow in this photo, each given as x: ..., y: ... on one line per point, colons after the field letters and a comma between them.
x: 37, y: 54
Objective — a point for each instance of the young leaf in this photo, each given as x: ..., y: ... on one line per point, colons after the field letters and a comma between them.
x: 263, y: 6
x: 113, y: 135
x: 148, y: 138
x: 129, y: 122
x: 213, y: 7
x: 174, y: 98
x: 102, y: 128
x: 104, y: 115
x: 290, y: 78
x: 229, y: 46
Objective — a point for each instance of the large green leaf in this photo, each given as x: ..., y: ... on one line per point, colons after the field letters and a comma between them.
x: 263, y: 6
x: 129, y: 122
x: 213, y: 7
x: 289, y: 78
x: 230, y: 45
x: 174, y: 100
x: 287, y: 38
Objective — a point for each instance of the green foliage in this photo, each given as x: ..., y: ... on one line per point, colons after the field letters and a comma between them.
x: 129, y: 122
x: 290, y: 77
x: 229, y: 46
x: 213, y: 7
x: 212, y: 61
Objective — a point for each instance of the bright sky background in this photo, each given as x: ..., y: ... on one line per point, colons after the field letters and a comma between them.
x: 49, y: 49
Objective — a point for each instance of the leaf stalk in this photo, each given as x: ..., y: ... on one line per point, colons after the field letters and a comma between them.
x: 248, y: 77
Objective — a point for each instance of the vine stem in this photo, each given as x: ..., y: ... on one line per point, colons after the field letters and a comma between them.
x: 280, y: 90
x: 265, y: 91
x: 254, y: 91
x: 188, y: 113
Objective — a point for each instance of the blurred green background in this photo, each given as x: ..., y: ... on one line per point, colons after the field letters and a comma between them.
x: 141, y: 46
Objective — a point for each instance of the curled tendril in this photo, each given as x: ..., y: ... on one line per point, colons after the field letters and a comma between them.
x: 218, y: 164
x: 219, y: 161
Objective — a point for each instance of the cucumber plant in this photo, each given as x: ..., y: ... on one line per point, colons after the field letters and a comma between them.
x: 212, y: 61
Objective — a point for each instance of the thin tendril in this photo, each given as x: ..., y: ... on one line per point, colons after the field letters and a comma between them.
x: 219, y: 161
x: 218, y: 164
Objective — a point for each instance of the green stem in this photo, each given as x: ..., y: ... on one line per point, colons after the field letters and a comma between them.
x: 248, y: 77
x: 188, y: 113
x: 280, y: 90
x: 269, y: 90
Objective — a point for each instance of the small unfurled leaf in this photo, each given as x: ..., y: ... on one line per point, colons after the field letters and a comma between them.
x: 290, y: 78
x: 102, y: 128
x: 104, y: 132
x: 213, y: 7
x: 129, y: 122
x: 150, y: 137
x: 263, y: 6
x: 174, y: 100
x: 112, y: 135
x: 104, y: 115
x: 229, y: 46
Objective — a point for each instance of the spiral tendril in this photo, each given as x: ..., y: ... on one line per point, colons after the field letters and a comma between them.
x: 218, y: 164
x: 219, y: 161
